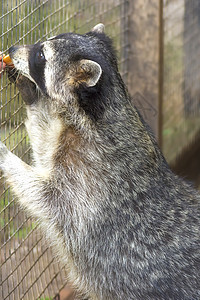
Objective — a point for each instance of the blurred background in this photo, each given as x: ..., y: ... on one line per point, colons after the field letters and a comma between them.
x: 158, y: 47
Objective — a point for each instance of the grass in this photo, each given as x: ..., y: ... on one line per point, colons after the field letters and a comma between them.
x: 11, y: 220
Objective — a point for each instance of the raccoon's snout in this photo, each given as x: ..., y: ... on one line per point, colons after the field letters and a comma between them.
x: 20, y: 58
x: 19, y: 52
x: 12, y: 51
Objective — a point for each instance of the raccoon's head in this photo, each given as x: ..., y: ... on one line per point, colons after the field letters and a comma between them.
x: 70, y: 64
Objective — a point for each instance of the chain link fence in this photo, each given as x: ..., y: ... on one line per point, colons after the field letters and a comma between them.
x: 27, y: 267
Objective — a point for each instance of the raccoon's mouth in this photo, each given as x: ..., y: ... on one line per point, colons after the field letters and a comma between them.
x: 19, y: 57
x: 11, y: 67
x: 16, y: 75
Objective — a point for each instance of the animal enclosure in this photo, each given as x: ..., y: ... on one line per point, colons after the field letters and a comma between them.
x: 28, y: 269
x: 157, y: 44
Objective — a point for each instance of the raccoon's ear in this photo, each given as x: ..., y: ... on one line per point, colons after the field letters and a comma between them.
x: 89, y: 72
x: 100, y: 28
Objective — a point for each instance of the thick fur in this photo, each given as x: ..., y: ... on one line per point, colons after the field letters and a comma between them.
x: 122, y: 223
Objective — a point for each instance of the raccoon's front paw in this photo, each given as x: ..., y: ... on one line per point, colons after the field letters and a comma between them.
x: 27, y: 89
x: 3, y: 153
x: 25, y: 86
x: 12, y: 74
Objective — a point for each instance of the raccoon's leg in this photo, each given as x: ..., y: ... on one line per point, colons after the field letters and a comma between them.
x: 26, y: 87
x: 34, y: 193
x: 25, y: 182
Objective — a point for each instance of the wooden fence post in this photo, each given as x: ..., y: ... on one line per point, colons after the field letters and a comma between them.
x: 143, y: 73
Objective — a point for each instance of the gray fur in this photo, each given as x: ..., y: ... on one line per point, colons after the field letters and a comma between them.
x: 122, y: 223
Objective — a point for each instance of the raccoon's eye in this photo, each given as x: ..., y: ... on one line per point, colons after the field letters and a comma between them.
x: 40, y: 58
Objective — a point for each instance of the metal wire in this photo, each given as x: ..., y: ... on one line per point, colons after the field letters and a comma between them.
x: 27, y: 267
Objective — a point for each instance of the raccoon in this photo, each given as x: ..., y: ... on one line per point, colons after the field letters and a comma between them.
x: 123, y: 225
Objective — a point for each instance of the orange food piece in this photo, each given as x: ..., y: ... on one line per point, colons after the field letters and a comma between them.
x: 7, y: 60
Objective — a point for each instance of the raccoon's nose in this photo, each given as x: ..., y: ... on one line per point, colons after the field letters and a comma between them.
x: 12, y: 51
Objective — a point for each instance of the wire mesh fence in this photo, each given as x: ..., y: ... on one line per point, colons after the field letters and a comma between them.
x: 181, y: 97
x: 28, y: 269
